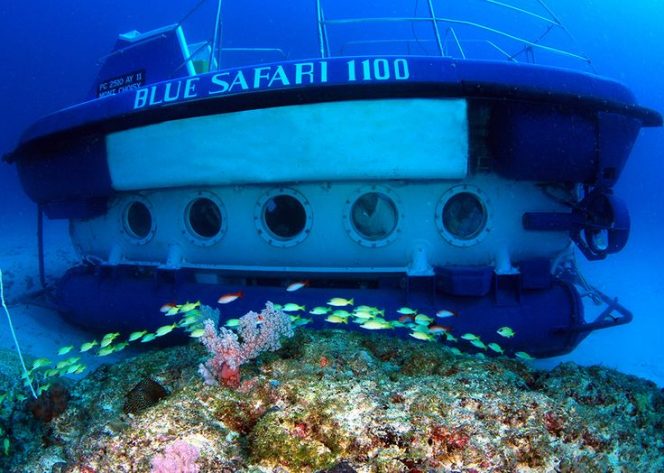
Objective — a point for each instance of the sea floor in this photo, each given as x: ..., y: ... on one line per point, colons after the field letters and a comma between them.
x: 333, y: 401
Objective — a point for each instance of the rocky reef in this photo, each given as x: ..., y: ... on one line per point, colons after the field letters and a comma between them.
x: 338, y: 401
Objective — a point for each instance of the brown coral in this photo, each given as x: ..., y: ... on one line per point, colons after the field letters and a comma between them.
x: 50, y: 403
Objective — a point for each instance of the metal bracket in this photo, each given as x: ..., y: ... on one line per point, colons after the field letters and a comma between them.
x: 613, y: 313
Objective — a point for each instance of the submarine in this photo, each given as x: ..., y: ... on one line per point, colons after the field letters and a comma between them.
x: 429, y: 160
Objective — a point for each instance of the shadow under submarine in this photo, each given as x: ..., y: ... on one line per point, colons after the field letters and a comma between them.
x: 431, y: 182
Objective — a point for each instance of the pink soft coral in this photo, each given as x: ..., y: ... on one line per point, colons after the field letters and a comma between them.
x: 178, y: 457
x: 258, y: 333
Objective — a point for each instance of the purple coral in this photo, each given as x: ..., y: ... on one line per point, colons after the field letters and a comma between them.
x: 178, y: 457
x: 258, y: 333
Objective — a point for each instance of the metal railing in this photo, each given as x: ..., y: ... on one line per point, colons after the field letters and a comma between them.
x: 446, y: 24
x: 453, y: 36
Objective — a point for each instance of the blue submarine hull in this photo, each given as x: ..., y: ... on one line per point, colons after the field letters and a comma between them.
x: 547, y: 313
x: 398, y: 181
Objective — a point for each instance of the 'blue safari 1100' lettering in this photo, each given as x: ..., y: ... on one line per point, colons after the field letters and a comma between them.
x: 271, y: 77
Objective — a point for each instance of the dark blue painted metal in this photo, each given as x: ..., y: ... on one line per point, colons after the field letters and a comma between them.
x: 543, y: 142
x: 616, y: 136
x: 535, y: 273
x: 601, y: 213
x: 546, y: 124
x: 69, y: 178
x: 428, y: 76
x: 465, y: 281
x: 548, y: 221
x: 126, y: 299
x: 154, y: 58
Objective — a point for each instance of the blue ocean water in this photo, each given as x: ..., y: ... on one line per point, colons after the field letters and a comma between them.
x: 50, y: 58
x: 51, y: 53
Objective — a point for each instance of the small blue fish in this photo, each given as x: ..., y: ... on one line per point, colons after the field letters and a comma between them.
x: 136, y: 335
x: 40, y: 362
x: 506, y: 332
x: 65, y: 350
x: 161, y: 331
x: 297, y: 285
x: 148, y: 337
x: 445, y: 313
x: 198, y: 333
x: 522, y: 355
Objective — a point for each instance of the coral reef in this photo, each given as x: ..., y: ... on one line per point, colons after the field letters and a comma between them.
x: 49, y: 404
x: 337, y: 401
x: 179, y: 457
x: 257, y: 333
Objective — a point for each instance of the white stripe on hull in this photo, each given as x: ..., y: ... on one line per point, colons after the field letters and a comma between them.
x: 352, y: 140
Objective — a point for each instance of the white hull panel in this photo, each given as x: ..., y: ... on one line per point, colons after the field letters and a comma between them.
x: 417, y: 246
x: 352, y: 140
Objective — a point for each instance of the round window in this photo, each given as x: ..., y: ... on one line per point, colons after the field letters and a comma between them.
x: 138, y: 220
x: 284, y: 216
x: 374, y: 216
x: 464, y: 216
x: 204, y: 218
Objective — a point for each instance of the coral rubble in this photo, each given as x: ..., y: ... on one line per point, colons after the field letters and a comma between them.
x: 336, y: 401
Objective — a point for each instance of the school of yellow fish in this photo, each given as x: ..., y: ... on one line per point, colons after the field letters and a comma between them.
x: 337, y: 310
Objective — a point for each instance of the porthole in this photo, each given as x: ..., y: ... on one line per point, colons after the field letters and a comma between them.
x: 283, y: 217
x: 205, y: 219
x: 138, y: 222
x: 462, y: 216
x: 372, y: 216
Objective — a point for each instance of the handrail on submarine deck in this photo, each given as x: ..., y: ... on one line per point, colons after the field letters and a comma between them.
x: 527, y: 45
x: 443, y: 37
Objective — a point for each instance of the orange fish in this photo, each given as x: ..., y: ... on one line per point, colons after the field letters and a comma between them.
x: 297, y: 285
x: 230, y: 297
x: 166, y: 307
x: 435, y: 328
x: 406, y: 318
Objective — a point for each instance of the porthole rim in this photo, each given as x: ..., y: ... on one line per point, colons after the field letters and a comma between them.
x: 261, y: 225
x: 484, y: 202
x: 189, y: 232
x: 126, y: 231
x: 349, y: 226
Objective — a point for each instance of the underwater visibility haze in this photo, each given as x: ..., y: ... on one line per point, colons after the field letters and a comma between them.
x: 331, y: 236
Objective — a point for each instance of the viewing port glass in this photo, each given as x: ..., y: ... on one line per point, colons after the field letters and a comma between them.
x: 138, y: 220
